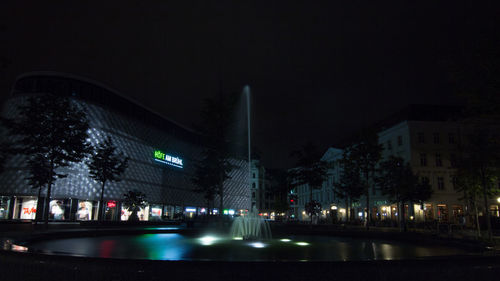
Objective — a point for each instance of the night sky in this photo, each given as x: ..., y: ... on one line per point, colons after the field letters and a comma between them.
x: 317, y: 70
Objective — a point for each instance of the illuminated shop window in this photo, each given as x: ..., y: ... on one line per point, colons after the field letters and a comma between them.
x: 25, y: 208
x: 59, y: 209
x: 143, y: 214
x: 4, y: 207
x: 156, y: 212
x: 84, y: 211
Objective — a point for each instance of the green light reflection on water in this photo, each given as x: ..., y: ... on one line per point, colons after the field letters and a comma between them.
x: 163, y: 246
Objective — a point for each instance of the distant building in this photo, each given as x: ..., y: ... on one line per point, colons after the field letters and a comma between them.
x: 427, y: 137
x: 262, y: 196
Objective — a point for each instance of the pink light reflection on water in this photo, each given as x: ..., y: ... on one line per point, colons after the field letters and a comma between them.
x: 106, y: 248
x: 18, y: 248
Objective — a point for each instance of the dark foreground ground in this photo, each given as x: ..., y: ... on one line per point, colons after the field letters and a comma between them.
x: 18, y: 266
x: 30, y: 266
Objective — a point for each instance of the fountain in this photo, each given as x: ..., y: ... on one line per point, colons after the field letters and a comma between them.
x: 250, y: 227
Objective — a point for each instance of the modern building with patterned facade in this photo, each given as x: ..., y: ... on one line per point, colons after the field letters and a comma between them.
x: 137, y: 132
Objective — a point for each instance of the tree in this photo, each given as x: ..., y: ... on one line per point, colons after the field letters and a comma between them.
x: 468, y: 183
x: 310, y: 170
x: 133, y: 201
x: 476, y: 77
x: 217, y: 116
x: 51, y: 131
x: 349, y: 186
x: 39, y: 175
x: 365, y: 154
x: 479, y: 167
x: 206, y: 180
x: 105, y: 165
x: 397, y: 181
x: 280, y: 188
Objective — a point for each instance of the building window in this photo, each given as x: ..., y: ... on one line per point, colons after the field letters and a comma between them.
x: 454, y: 182
x: 451, y: 138
x: 253, y: 195
x: 453, y: 160
x: 425, y: 180
x: 253, y: 175
x: 423, y: 159
x: 440, y: 183
x: 436, y: 138
x: 389, y: 145
x: 253, y: 185
x: 400, y: 140
x: 439, y: 162
x: 421, y: 138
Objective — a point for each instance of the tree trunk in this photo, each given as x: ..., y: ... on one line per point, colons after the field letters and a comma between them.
x: 49, y: 189
x: 403, y: 219
x: 310, y: 200
x: 346, y: 209
x: 477, y: 221
x: 367, y: 202
x: 38, y: 214
x: 47, y: 205
x: 221, y: 194
x: 100, y: 214
x: 487, y: 210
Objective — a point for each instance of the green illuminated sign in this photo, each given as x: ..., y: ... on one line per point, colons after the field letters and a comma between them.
x: 168, y: 159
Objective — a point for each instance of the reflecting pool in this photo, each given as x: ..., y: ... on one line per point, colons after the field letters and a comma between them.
x: 175, y: 246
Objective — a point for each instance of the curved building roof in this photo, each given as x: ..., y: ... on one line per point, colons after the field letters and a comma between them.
x: 88, y: 90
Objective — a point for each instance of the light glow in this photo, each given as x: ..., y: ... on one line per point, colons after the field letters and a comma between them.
x: 258, y: 245
x: 208, y: 240
x: 285, y: 240
x: 302, y: 243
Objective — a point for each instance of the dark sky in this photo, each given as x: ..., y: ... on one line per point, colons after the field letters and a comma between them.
x: 318, y: 70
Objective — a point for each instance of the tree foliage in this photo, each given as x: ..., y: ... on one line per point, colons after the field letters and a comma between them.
x: 476, y: 75
x: 206, y: 179
x: 133, y: 200
x: 365, y: 154
x: 313, y: 208
x: 397, y: 181
x: 310, y: 169
x: 51, y: 132
x: 214, y: 168
x: 349, y: 185
x: 280, y: 188
x: 106, y: 164
x: 479, y: 167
